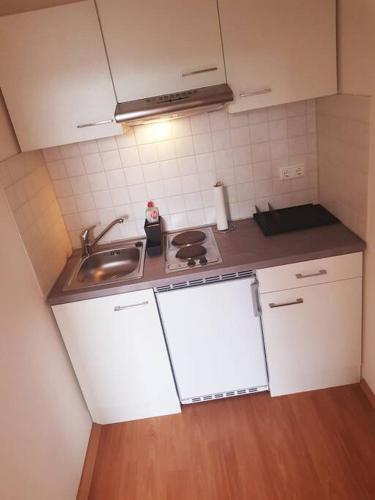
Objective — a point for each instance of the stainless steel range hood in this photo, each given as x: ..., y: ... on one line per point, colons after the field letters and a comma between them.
x: 175, y: 105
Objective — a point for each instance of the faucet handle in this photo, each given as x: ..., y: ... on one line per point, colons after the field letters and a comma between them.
x: 85, y: 241
x: 86, y: 233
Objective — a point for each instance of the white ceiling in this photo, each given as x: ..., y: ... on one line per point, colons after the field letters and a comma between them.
x: 16, y: 6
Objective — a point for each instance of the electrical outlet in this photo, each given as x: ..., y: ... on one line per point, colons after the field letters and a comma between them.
x: 287, y: 173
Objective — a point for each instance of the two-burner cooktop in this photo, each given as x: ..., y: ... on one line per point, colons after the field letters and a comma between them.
x: 190, y: 249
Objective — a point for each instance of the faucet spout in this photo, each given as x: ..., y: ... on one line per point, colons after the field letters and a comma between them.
x: 120, y: 220
x: 88, y: 245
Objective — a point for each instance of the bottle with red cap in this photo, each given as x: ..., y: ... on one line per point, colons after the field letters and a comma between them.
x: 152, y: 213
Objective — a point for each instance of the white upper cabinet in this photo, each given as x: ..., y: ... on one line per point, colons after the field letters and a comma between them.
x: 162, y: 46
x: 55, y: 76
x: 278, y: 51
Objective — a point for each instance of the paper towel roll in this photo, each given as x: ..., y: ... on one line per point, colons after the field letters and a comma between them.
x: 221, y: 213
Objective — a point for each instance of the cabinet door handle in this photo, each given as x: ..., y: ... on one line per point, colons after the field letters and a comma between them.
x: 94, y: 124
x: 198, y: 71
x: 300, y: 276
x: 249, y: 93
x: 130, y: 306
x: 284, y: 304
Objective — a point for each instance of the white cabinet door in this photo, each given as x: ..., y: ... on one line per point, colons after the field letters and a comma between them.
x: 55, y: 76
x: 155, y: 47
x: 278, y: 51
x: 313, y: 336
x: 118, y: 352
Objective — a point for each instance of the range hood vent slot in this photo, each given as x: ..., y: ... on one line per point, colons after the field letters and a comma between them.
x: 176, y: 105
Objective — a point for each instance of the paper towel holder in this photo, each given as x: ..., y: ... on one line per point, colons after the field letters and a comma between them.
x: 231, y: 227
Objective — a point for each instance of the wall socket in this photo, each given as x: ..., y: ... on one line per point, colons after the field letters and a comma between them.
x: 292, y: 172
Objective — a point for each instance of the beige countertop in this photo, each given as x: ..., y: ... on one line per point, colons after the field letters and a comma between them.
x: 245, y: 248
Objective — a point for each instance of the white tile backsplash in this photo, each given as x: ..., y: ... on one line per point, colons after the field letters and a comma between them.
x: 27, y: 182
x: 69, y: 151
x: 343, y: 125
x: 57, y: 169
x: 75, y: 166
x: 92, y: 163
x: 129, y: 156
x: 176, y: 163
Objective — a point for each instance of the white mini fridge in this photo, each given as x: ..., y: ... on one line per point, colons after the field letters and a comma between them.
x: 214, y: 336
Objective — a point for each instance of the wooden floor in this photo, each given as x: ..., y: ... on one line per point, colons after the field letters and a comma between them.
x: 318, y: 445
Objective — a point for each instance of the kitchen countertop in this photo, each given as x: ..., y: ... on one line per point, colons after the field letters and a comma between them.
x: 245, y: 248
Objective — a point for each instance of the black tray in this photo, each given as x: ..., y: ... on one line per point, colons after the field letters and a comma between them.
x: 285, y: 220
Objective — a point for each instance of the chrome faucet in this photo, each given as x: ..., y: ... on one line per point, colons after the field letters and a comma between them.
x: 87, y: 245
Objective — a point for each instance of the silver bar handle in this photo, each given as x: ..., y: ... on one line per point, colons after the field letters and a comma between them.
x: 254, y: 293
x: 300, y: 276
x: 198, y: 71
x: 130, y: 306
x: 249, y: 93
x: 284, y: 304
x: 94, y: 124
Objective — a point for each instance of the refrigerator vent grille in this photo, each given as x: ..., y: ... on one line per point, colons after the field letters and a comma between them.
x: 222, y: 395
x: 204, y: 281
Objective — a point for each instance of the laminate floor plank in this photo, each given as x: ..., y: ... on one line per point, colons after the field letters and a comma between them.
x: 316, y: 445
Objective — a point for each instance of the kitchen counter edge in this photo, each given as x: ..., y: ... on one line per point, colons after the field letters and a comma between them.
x: 260, y: 252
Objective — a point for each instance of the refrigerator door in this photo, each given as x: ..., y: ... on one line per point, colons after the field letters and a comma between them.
x: 214, y: 338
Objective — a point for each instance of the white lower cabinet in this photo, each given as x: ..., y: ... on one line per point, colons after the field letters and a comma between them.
x: 312, y: 334
x: 119, y: 355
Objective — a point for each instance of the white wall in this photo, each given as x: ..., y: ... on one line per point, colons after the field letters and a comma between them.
x: 343, y: 158
x: 44, y: 423
x: 176, y: 164
x: 33, y: 202
x: 8, y: 143
x: 356, y: 42
x: 16, y: 6
x: 356, y: 38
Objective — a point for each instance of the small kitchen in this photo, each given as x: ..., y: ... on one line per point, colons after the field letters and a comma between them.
x: 188, y: 186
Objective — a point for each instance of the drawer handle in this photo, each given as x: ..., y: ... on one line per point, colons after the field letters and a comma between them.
x: 284, y: 304
x: 130, y: 306
x: 300, y: 276
x: 198, y: 71
x: 249, y: 93
x: 94, y: 124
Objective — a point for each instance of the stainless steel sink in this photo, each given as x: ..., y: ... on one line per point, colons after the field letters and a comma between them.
x: 109, y: 266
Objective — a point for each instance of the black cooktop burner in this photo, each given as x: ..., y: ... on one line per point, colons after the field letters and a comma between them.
x: 191, y: 252
x: 188, y: 238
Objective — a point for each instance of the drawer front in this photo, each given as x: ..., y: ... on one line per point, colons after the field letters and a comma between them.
x: 311, y: 272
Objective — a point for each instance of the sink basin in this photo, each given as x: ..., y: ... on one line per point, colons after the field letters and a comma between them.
x: 109, y: 266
